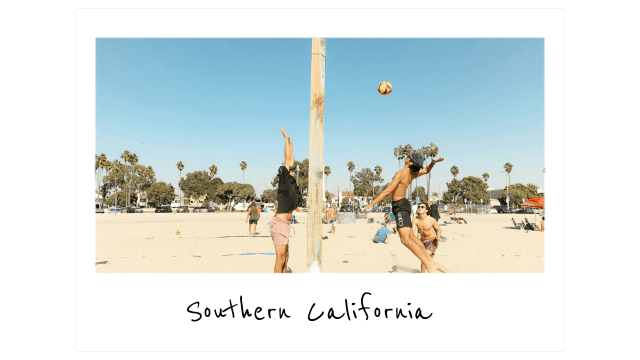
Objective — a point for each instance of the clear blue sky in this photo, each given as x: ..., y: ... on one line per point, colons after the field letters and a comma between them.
x: 223, y: 101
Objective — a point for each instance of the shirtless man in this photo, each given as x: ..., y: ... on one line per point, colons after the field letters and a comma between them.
x: 289, y: 198
x: 331, y: 218
x: 402, y: 208
x: 429, y: 232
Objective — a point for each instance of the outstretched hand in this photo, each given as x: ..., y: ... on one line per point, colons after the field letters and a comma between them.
x: 367, y: 208
x: 437, y: 160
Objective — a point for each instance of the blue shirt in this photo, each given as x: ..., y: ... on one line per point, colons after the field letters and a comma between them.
x: 381, y: 236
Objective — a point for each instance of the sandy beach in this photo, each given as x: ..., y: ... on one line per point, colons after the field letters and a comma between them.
x: 220, y: 243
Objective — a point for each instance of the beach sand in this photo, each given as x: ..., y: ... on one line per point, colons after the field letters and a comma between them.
x: 216, y: 242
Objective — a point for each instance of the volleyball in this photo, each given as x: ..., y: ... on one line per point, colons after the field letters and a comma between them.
x: 384, y: 88
x: 178, y: 232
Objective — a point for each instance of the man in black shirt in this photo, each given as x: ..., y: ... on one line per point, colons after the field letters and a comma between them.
x: 289, y: 198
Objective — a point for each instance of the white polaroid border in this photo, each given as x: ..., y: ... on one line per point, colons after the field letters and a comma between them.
x: 470, y: 312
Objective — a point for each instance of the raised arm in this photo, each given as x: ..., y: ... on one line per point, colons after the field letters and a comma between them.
x: 288, y: 150
x: 428, y: 168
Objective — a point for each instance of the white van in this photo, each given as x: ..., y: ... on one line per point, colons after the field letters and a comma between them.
x: 242, y: 206
x: 268, y: 207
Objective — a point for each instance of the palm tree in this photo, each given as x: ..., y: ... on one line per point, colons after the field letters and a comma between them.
x: 214, y: 171
x: 378, y: 170
x: 407, y: 150
x: 96, y: 173
x: 455, y: 171
x: 125, y: 156
x: 243, y: 166
x: 350, y: 166
x: 133, y: 160
x: 180, y: 166
x: 426, y: 152
x: 485, y: 176
x: 115, y: 167
x: 102, y: 163
x: 399, y: 154
x: 327, y: 172
x: 508, y: 167
x: 108, y: 166
x: 433, y: 152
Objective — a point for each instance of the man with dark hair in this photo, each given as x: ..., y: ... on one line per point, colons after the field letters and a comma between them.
x: 289, y: 198
x: 402, y: 208
x: 429, y: 232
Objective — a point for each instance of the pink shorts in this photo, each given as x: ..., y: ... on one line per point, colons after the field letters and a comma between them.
x: 279, y: 230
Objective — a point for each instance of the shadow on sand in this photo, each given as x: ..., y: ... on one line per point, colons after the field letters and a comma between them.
x: 397, y: 268
x: 102, y: 262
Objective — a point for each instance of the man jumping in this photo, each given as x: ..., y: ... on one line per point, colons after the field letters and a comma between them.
x: 289, y: 198
x: 402, y: 208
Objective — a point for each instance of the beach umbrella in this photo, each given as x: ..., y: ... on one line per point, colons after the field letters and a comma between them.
x: 533, y: 204
x: 538, y: 200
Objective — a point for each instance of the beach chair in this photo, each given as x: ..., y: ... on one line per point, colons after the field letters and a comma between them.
x: 530, y: 226
x: 518, y: 226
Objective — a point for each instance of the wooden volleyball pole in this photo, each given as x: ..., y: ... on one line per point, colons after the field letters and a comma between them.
x: 316, y: 157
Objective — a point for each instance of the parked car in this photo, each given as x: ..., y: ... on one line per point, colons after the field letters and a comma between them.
x: 536, y: 211
x: 164, y: 209
x: 203, y: 209
x: 493, y: 211
x: 182, y: 209
x: 133, y: 210
x: 99, y: 209
x: 346, y: 208
x: 386, y: 209
x: 501, y: 209
x: 115, y: 210
x: 242, y: 206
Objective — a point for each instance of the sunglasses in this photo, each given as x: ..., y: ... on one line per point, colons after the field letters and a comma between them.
x: 422, y: 207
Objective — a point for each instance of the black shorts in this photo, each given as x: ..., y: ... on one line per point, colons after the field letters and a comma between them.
x: 253, y: 222
x: 402, y: 212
